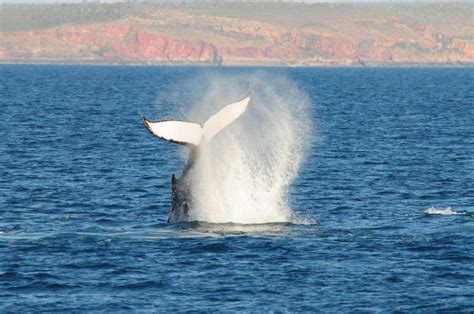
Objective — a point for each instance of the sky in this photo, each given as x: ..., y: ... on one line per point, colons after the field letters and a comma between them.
x: 308, y: 1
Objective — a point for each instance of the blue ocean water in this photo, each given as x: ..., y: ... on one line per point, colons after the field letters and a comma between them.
x: 85, y: 193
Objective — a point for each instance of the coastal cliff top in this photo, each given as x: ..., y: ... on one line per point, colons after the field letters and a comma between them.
x: 238, y: 33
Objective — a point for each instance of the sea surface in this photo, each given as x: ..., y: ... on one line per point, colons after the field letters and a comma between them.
x: 386, y: 193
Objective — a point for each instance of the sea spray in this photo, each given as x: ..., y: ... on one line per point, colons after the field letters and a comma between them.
x: 445, y: 211
x: 243, y: 174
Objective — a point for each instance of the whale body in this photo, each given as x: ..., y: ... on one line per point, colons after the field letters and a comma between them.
x: 194, y: 136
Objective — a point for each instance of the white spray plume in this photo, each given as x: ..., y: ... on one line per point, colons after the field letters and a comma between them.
x: 243, y: 174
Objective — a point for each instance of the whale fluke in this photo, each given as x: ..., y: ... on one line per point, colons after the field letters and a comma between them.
x: 192, y: 134
x: 178, y: 132
x: 228, y: 114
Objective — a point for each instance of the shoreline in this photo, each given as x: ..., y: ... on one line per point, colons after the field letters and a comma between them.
x: 249, y: 64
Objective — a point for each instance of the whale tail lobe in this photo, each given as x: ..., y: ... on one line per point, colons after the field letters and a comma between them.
x: 192, y: 134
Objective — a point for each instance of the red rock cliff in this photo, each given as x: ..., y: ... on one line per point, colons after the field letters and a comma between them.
x: 189, y: 35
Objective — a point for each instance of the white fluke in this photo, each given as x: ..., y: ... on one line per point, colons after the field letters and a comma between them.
x: 189, y: 133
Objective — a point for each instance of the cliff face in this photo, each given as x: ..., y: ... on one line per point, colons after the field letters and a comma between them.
x: 189, y: 35
x: 117, y: 41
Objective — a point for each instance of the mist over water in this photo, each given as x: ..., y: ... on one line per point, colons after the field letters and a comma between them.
x: 243, y: 174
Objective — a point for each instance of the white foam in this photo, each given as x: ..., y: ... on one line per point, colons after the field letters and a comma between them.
x: 243, y: 174
x: 446, y: 211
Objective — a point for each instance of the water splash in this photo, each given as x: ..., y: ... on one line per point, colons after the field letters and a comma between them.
x: 446, y: 211
x: 243, y: 175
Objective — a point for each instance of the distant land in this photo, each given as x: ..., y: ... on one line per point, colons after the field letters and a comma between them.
x: 234, y: 34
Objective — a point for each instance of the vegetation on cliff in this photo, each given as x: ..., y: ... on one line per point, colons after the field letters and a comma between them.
x: 238, y: 33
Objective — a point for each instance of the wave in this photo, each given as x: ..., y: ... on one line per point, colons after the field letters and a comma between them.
x: 446, y: 211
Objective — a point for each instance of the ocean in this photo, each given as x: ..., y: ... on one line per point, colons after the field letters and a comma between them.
x: 379, y: 185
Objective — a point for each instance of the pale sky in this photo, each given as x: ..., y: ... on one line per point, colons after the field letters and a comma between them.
x: 308, y: 1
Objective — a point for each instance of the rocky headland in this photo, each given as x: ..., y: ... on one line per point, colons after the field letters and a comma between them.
x: 239, y: 34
